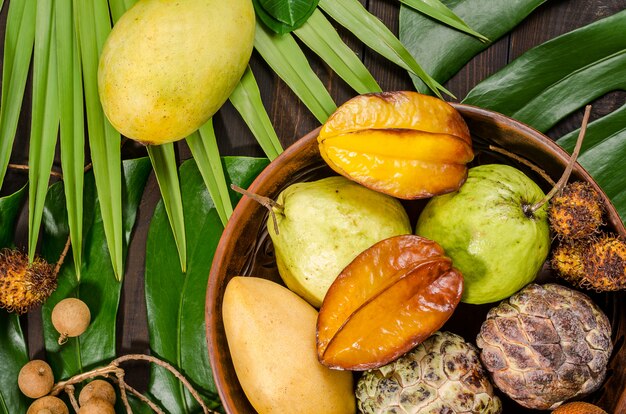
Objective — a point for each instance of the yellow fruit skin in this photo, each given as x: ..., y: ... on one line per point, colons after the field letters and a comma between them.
x: 271, y: 336
x: 168, y: 65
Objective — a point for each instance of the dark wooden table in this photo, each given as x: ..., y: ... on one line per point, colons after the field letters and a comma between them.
x: 292, y: 120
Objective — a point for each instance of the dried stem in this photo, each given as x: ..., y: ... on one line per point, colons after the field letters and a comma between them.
x: 524, y: 161
x: 77, y: 379
x: 69, y: 390
x: 570, y: 166
x: 120, y: 378
x: 266, y: 202
x: 140, y: 396
x: 170, y: 368
x: 57, y: 267
x: 26, y: 168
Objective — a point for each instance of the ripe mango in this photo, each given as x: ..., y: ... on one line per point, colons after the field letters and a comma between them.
x: 168, y: 66
x: 404, y: 144
x: 271, y: 336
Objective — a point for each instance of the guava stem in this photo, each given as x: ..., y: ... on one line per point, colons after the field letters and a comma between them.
x: 570, y: 166
x: 266, y: 202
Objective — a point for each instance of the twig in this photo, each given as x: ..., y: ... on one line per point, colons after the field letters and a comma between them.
x: 141, y: 397
x: 120, y: 378
x: 524, y: 161
x: 266, y: 202
x: 26, y: 168
x: 170, y: 368
x: 76, y: 379
x: 570, y: 165
x: 69, y: 390
x: 57, y: 267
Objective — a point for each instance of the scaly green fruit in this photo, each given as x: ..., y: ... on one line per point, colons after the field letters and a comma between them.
x: 323, y: 225
x: 488, y: 232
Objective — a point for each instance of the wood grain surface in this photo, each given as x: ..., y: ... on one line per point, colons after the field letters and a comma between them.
x: 292, y: 120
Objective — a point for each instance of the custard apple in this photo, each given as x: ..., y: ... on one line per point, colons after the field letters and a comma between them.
x: 545, y: 345
x: 441, y: 375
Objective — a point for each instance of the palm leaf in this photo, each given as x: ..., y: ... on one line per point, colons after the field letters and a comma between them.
x: 284, y: 56
x: 322, y: 38
x: 18, y: 48
x: 44, y: 120
x: 165, y: 168
x: 93, y: 26
x: 439, y: 11
x: 353, y: 16
x: 246, y: 98
x: 72, y: 130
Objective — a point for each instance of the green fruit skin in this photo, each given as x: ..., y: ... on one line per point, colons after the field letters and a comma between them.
x: 325, y: 224
x: 484, y: 230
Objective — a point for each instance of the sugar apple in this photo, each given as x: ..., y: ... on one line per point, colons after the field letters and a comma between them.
x: 545, y: 345
x: 441, y: 375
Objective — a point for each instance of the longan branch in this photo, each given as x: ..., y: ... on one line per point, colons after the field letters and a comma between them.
x: 69, y: 390
x: 122, y: 384
x: 140, y: 396
x: 76, y: 379
x: 26, y: 168
x: 174, y: 371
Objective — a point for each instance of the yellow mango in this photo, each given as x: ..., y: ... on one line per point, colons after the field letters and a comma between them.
x: 271, y: 336
x: 169, y: 65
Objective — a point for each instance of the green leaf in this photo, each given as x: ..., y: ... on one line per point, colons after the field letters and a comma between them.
x: 93, y: 26
x: 322, y: 38
x: 166, y: 170
x: 44, y: 120
x: 284, y: 16
x: 439, y: 11
x: 370, y: 30
x: 246, y: 98
x: 97, y: 286
x: 289, y: 11
x: 284, y: 56
x: 552, y: 80
x: 203, y: 146
x: 18, y: 48
x: 13, y: 355
x: 602, y: 155
x: 72, y: 119
x: 13, y: 352
x: 175, y: 300
x: 443, y: 50
x: 9, y: 212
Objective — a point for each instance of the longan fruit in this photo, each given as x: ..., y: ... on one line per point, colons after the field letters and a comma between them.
x: 97, y: 389
x: 70, y: 318
x: 579, y: 407
x: 48, y: 405
x: 96, y: 406
x: 35, y: 379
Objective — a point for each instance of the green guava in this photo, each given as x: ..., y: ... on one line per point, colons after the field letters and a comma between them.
x: 488, y: 232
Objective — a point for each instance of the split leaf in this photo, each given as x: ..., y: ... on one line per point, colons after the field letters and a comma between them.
x: 438, y: 11
x: 44, y: 121
x: 322, y: 38
x: 246, y: 98
x: 370, y: 30
x: 165, y: 168
x: 18, y: 48
x: 93, y: 26
x: 175, y: 300
x: 203, y: 145
x: 551, y: 80
x: 442, y: 50
x: 284, y: 56
x: 97, y: 286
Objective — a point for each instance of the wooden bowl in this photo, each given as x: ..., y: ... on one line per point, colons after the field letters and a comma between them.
x: 245, y: 247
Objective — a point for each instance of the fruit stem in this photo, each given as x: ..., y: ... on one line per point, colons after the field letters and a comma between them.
x: 530, y: 210
x: 69, y: 390
x: 266, y: 202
